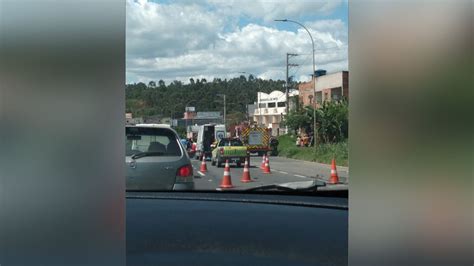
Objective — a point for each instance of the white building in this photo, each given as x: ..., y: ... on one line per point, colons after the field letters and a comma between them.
x: 270, y: 110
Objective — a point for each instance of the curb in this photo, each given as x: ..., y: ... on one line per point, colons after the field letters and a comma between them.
x: 344, y: 168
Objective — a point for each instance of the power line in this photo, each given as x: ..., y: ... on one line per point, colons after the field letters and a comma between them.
x: 308, y: 58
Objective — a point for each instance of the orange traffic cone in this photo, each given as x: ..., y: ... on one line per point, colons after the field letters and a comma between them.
x: 262, y: 166
x: 203, y: 167
x: 266, y: 169
x: 226, y: 180
x: 246, y: 175
x: 334, y: 179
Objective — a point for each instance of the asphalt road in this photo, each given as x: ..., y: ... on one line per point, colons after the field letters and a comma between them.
x: 283, y: 170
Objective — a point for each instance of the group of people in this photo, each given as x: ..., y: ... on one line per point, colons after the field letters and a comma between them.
x: 303, y: 140
x: 189, y: 144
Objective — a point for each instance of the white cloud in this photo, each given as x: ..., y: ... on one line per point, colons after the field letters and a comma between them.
x: 275, y: 9
x: 182, y: 40
x: 169, y: 30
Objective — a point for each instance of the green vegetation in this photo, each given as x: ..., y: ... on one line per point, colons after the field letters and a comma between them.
x: 324, y: 153
x: 331, y: 119
x: 181, y: 132
x: 332, y: 127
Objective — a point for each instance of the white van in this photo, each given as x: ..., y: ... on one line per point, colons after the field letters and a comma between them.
x: 207, y: 135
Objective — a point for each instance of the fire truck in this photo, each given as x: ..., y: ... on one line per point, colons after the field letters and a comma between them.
x: 257, y: 139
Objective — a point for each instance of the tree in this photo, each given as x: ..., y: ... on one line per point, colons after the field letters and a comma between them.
x: 235, y: 118
x: 181, y: 132
x: 332, y: 120
x: 296, y: 120
x: 172, y: 98
x: 152, y: 84
x: 141, y: 85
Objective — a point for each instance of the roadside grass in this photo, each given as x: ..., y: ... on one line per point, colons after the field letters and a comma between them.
x: 324, y: 153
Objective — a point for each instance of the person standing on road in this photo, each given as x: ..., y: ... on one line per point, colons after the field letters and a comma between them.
x: 193, y: 145
x: 189, y: 144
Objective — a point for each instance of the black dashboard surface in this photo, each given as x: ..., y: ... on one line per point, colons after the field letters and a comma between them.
x: 181, y: 229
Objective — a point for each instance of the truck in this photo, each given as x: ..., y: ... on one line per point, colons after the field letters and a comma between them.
x: 229, y: 149
x: 208, y: 135
x: 256, y: 139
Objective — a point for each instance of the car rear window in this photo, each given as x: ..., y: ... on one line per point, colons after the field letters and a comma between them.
x: 233, y: 142
x: 160, y: 140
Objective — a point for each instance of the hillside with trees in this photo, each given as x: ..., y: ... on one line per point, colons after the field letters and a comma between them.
x: 158, y: 98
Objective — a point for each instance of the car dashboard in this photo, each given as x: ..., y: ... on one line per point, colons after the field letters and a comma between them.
x: 179, y: 228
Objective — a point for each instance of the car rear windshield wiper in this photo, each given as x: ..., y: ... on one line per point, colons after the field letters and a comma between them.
x: 306, y: 186
x: 146, y: 153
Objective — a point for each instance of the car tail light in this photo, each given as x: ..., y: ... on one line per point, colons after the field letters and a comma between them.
x: 185, y: 171
x: 221, y: 150
x: 184, y: 174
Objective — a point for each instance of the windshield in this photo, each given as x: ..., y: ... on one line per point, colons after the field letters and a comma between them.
x: 157, y: 142
x: 231, y: 142
x: 233, y: 101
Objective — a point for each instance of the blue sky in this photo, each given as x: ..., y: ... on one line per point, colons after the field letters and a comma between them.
x: 182, y: 39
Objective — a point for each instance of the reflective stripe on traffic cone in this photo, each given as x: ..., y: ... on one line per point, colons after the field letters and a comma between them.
x: 226, y: 179
x: 334, y: 179
x: 266, y: 170
x: 262, y: 166
x: 246, y: 175
x: 203, y: 167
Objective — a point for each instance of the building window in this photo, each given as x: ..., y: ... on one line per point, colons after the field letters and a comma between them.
x: 281, y: 104
x: 336, y: 94
x: 270, y: 105
x: 319, y: 97
x: 262, y: 105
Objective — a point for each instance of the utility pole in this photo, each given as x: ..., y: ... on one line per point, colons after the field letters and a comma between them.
x: 313, y: 77
x: 225, y: 124
x: 288, y: 65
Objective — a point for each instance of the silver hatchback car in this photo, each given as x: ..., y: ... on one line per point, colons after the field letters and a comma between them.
x: 156, y: 160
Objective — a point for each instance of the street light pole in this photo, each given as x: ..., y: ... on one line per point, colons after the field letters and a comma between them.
x: 223, y: 95
x: 172, y: 113
x: 313, y: 77
x: 186, y: 110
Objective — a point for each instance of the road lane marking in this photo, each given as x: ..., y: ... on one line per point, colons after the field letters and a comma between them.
x: 282, y: 172
x: 200, y: 173
x: 301, y: 176
x: 210, y: 180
